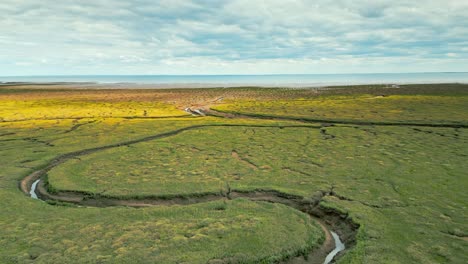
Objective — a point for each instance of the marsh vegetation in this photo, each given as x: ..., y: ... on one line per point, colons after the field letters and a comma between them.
x: 404, y: 186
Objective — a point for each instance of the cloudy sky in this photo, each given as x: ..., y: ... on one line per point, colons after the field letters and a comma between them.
x: 232, y: 37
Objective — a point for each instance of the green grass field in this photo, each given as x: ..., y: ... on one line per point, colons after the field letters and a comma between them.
x: 404, y: 185
x: 447, y: 109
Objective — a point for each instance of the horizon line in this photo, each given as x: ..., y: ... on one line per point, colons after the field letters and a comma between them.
x: 230, y: 74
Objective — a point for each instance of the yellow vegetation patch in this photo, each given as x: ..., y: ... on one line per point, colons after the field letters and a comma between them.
x: 13, y: 110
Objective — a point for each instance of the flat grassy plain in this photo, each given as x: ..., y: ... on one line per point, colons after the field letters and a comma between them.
x: 34, y: 231
x: 413, y: 109
x: 405, y: 185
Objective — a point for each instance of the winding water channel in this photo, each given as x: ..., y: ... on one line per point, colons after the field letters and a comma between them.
x: 339, y: 246
x: 33, y: 189
x: 36, y: 188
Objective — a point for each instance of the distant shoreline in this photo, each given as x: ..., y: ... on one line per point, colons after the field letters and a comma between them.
x: 229, y: 81
x: 148, y: 86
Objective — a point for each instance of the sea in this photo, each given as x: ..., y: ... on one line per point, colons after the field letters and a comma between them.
x: 271, y: 80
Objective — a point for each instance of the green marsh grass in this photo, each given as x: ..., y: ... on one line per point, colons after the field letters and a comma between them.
x: 446, y: 109
x: 406, y: 186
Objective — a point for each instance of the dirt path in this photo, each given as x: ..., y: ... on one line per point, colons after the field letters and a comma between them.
x: 326, y: 218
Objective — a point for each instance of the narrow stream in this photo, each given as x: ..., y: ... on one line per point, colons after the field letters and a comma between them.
x: 78, y: 198
x: 33, y: 189
x: 339, y: 246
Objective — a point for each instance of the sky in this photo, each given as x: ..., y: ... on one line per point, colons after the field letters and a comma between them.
x: 94, y: 37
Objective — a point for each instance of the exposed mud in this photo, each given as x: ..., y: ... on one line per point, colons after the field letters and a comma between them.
x: 35, y: 184
x: 76, y: 126
x: 35, y: 140
x: 326, y: 135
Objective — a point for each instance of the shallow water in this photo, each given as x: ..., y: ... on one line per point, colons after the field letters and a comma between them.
x: 33, y: 189
x: 339, y: 246
x: 274, y: 80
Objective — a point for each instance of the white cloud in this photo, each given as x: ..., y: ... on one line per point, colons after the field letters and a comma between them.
x: 242, y: 36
